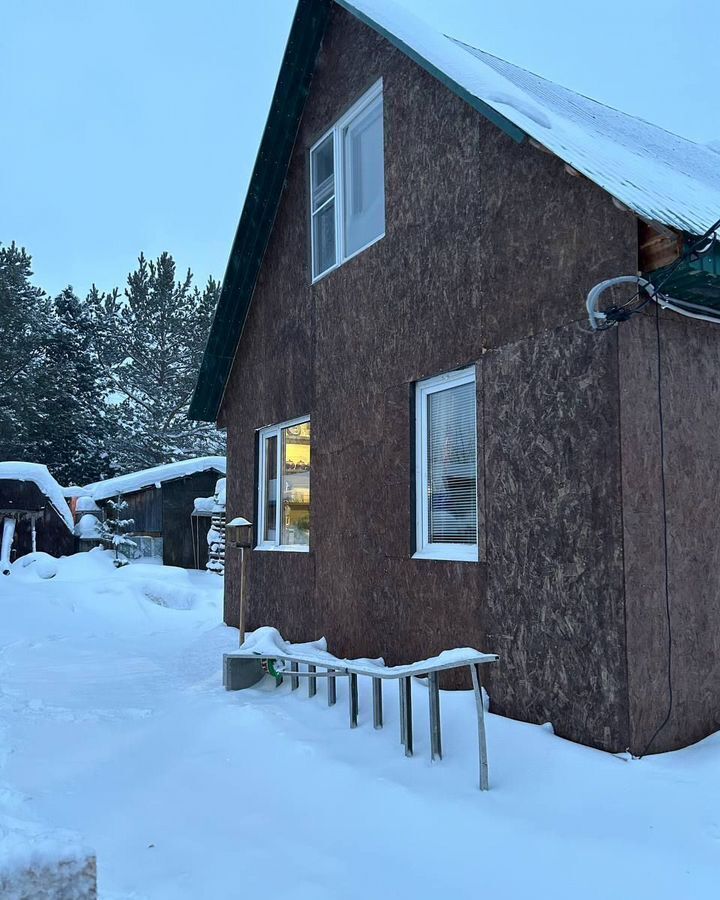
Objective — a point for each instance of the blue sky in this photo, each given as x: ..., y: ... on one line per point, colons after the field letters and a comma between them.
x: 134, y: 126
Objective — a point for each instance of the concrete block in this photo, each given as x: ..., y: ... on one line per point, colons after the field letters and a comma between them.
x: 240, y: 673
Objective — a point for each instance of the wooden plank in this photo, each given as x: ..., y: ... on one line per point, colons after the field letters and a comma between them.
x: 655, y: 250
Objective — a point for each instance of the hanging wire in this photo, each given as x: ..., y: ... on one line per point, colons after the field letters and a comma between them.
x: 622, y: 312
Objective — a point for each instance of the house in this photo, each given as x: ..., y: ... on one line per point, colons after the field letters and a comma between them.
x: 160, y: 501
x: 435, y: 448
x: 34, y: 514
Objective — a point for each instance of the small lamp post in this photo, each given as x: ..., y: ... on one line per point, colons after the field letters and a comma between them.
x: 238, y: 534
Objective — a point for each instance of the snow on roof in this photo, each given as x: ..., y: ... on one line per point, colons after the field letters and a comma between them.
x: 86, y: 504
x: 73, y: 490
x: 40, y: 476
x: 660, y: 176
x: 136, y: 481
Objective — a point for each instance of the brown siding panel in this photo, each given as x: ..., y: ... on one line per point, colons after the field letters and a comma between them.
x: 690, y: 360
x: 487, y: 244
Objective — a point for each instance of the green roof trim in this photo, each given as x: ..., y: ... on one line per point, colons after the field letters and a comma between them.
x: 267, y: 183
x: 261, y: 204
x: 517, y: 134
x: 694, y: 281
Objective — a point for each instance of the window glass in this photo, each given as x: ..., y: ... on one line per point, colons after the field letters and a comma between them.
x: 452, y: 466
x: 270, y: 488
x: 296, y: 485
x: 323, y: 173
x: 363, y: 175
x: 347, y: 184
x: 284, y: 486
x: 323, y: 205
x: 324, y: 238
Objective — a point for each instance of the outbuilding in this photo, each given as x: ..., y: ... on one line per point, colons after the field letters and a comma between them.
x: 160, y: 501
x: 34, y: 514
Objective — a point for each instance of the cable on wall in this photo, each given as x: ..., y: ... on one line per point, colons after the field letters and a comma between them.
x: 602, y: 320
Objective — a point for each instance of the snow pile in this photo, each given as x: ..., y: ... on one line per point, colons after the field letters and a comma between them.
x: 214, y: 504
x: 220, y: 492
x: 204, y: 505
x: 658, y: 175
x: 40, y: 476
x: 43, y: 865
x: 35, y: 566
x: 86, y: 503
x: 136, y: 481
x: 88, y: 527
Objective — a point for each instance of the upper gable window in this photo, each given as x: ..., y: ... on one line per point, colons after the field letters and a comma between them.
x: 347, y: 185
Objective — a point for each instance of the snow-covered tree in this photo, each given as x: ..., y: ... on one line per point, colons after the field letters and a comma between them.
x: 102, y: 384
x: 114, y: 529
x: 153, y: 345
x: 74, y: 426
x: 25, y: 312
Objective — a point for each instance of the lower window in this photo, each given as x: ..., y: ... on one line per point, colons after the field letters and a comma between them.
x: 284, y: 487
x: 446, y: 467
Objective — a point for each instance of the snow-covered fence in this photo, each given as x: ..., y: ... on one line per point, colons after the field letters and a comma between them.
x: 266, y: 645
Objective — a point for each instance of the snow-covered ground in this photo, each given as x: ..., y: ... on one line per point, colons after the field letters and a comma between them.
x: 114, y: 725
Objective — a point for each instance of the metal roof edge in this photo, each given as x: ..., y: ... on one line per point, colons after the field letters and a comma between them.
x: 262, y: 200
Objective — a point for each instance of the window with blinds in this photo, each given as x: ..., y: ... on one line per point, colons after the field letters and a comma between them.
x: 446, y: 467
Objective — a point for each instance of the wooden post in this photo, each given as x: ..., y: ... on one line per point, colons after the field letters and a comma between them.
x: 241, y: 622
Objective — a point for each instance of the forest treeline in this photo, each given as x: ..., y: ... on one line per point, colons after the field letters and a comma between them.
x: 98, y: 385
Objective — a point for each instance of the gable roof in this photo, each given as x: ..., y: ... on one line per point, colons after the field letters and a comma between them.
x: 157, y: 475
x: 661, y: 177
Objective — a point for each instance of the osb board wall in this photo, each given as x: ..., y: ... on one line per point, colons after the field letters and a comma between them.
x: 690, y: 376
x: 554, y: 605
x: 487, y: 244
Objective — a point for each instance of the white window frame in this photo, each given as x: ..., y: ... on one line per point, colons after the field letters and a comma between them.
x: 424, y: 548
x: 264, y: 433
x: 339, y: 187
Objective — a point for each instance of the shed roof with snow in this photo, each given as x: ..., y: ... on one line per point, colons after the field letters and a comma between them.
x: 155, y: 476
x: 663, y: 178
x: 39, y: 475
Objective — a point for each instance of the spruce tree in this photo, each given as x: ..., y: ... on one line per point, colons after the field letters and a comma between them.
x: 152, y: 350
x: 25, y: 312
x: 74, y: 423
x: 114, y: 529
